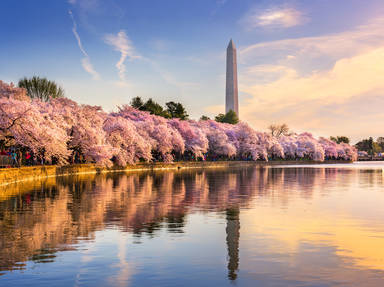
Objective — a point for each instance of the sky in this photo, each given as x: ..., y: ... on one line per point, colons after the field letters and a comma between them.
x: 316, y: 65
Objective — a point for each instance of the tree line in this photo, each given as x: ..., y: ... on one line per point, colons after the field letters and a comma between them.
x: 61, y: 131
x: 45, y: 90
x: 368, y: 145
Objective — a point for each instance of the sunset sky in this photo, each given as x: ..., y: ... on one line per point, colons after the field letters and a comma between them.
x: 316, y: 65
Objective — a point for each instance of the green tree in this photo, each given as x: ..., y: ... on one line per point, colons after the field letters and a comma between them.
x: 137, y: 103
x: 204, y: 118
x: 380, y: 142
x: 155, y: 109
x: 220, y: 118
x: 41, y: 88
x: 376, y: 148
x: 369, y: 145
x: 177, y: 110
x: 363, y: 145
x: 340, y: 139
x: 229, y: 118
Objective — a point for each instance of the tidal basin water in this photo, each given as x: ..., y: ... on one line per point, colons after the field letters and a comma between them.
x: 317, y: 225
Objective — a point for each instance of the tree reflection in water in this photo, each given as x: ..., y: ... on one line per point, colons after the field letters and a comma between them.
x: 54, y: 216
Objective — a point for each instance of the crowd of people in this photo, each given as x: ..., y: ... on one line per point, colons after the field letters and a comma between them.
x: 15, y: 157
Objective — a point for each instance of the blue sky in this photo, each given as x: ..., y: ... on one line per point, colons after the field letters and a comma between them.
x: 315, y: 65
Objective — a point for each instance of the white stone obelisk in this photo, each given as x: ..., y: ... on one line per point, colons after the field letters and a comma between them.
x: 231, y: 92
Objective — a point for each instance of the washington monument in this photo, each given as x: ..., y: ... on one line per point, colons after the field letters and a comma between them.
x: 231, y: 93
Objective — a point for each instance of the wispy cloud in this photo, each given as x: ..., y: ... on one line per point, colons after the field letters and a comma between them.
x: 169, y: 78
x: 121, y: 43
x: 313, y: 52
x: 219, y: 4
x: 330, y: 84
x: 86, y: 61
x: 278, y: 17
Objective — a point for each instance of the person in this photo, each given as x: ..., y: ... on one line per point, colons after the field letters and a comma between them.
x: 28, y: 158
x: 19, y: 158
x: 14, y: 158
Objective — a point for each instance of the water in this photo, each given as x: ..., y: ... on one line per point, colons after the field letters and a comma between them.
x: 284, y: 226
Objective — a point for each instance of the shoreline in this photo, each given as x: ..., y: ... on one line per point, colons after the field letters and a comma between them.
x: 31, y: 173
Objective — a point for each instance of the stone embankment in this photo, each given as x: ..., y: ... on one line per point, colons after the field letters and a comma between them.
x: 31, y: 173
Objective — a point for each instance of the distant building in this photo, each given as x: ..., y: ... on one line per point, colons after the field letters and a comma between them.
x: 231, y: 90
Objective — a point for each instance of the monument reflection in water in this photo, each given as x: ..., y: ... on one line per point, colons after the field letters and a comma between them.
x: 299, y: 226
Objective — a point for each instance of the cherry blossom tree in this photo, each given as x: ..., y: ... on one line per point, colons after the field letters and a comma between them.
x: 60, y: 129
x: 330, y: 148
x: 251, y: 143
x: 164, y: 138
x: 218, y: 141
x: 194, y: 138
x: 129, y: 145
x: 22, y: 124
x: 9, y: 90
